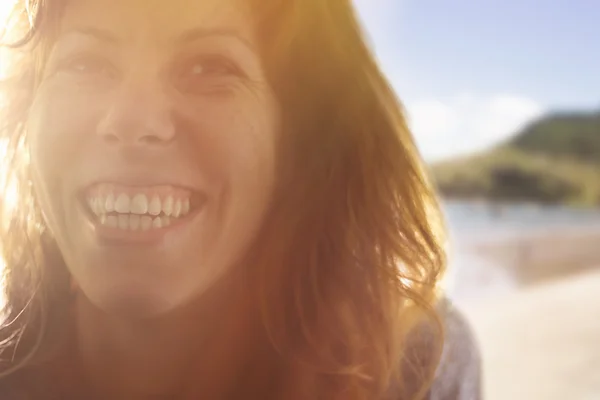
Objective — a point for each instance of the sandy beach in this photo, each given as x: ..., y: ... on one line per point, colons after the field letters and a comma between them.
x: 540, y: 337
x: 542, y: 343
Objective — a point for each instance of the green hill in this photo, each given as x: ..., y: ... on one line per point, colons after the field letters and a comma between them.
x: 554, y: 160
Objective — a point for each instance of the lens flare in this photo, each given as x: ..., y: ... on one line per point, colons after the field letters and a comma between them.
x: 9, y: 198
x: 6, y: 7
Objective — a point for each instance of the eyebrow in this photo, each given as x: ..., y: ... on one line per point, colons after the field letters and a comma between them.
x: 97, y: 33
x: 194, y: 34
x: 186, y: 37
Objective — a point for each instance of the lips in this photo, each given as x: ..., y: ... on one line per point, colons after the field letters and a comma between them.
x: 140, y: 208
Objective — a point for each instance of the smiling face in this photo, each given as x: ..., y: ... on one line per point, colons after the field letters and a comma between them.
x: 152, y: 138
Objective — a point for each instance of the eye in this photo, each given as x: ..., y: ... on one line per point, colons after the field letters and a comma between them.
x: 204, y: 72
x: 210, y: 66
x: 88, y: 65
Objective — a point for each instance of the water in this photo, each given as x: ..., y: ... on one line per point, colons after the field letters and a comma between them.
x: 471, y: 218
x: 472, y: 277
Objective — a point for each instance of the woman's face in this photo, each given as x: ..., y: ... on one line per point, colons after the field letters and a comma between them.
x: 152, y: 137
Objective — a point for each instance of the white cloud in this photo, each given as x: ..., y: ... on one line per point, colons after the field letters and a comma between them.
x: 443, y: 127
x: 466, y: 123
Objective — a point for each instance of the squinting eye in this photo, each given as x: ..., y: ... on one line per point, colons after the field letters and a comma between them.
x: 203, y: 73
x: 204, y: 67
x: 88, y: 65
x: 212, y: 66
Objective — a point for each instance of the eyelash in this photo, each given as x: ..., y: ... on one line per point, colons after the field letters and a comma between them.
x: 229, y: 67
x: 93, y: 64
x: 213, y: 66
x: 89, y: 63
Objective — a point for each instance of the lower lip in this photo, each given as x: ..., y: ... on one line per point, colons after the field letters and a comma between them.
x: 115, y: 236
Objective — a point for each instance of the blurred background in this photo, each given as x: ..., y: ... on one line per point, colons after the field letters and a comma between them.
x: 503, y: 97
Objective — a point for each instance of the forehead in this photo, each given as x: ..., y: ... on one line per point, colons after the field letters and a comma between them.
x: 159, y: 20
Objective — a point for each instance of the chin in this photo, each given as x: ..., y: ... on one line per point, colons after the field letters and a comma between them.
x: 126, y: 289
x: 131, y: 304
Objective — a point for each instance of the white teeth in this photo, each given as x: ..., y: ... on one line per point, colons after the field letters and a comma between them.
x: 122, y: 204
x: 167, y: 206
x: 112, y: 221
x: 154, y: 208
x: 124, y: 221
x: 138, y: 212
x: 177, y: 209
x: 134, y: 222
x: 93, y: 203
x: 145, y: 223
x: 97, y: 206
x: 139, y: 204
x: 109, y: 203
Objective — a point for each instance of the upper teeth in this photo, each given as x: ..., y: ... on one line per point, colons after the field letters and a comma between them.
x: 139, y: 204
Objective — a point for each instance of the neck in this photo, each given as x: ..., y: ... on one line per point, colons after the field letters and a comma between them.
x: 187, y: 351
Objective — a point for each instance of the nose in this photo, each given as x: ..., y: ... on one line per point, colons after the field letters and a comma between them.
x: 138, y: 117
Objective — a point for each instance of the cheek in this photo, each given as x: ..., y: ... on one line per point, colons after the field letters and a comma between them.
x: 251, y: 149
x: 56, y: 129
x: 237, y: 147
x: 241, y: 140
x: 46, y: 148
x: 54, y: 135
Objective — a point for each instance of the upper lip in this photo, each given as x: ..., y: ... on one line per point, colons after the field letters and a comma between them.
x: 141, y: 181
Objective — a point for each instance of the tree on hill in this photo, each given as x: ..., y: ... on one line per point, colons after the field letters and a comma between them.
x: 555, y: 159
x: 569, y: 135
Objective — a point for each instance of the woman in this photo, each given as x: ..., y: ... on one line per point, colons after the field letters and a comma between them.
x: 217, y: 199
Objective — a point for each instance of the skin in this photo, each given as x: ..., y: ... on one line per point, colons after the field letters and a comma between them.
x: 146, y: 92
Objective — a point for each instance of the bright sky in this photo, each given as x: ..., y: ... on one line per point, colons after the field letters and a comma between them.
x: 471, y: 72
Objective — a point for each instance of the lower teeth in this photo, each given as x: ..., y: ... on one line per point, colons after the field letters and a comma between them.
x: 133, y: 222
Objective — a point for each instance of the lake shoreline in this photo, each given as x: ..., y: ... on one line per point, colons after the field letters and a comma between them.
x: 539, y: 256
x: 491, y: 255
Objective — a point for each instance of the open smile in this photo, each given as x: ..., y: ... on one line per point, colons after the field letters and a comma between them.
x: 139, y: 212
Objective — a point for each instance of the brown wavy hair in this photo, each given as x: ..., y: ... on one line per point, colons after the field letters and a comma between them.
x: 348, y: 260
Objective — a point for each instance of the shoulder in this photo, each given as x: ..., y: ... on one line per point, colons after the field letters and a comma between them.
x: 458, y: 375
x: 459, y: 372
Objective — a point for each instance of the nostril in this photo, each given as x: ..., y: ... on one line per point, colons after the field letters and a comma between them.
x: 111, y: 138
x: 132, y: 131
x: 150, y: 139
x: 115, y: 139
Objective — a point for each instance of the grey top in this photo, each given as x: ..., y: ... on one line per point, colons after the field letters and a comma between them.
x: 458, y: 376
x: 459, y: 373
